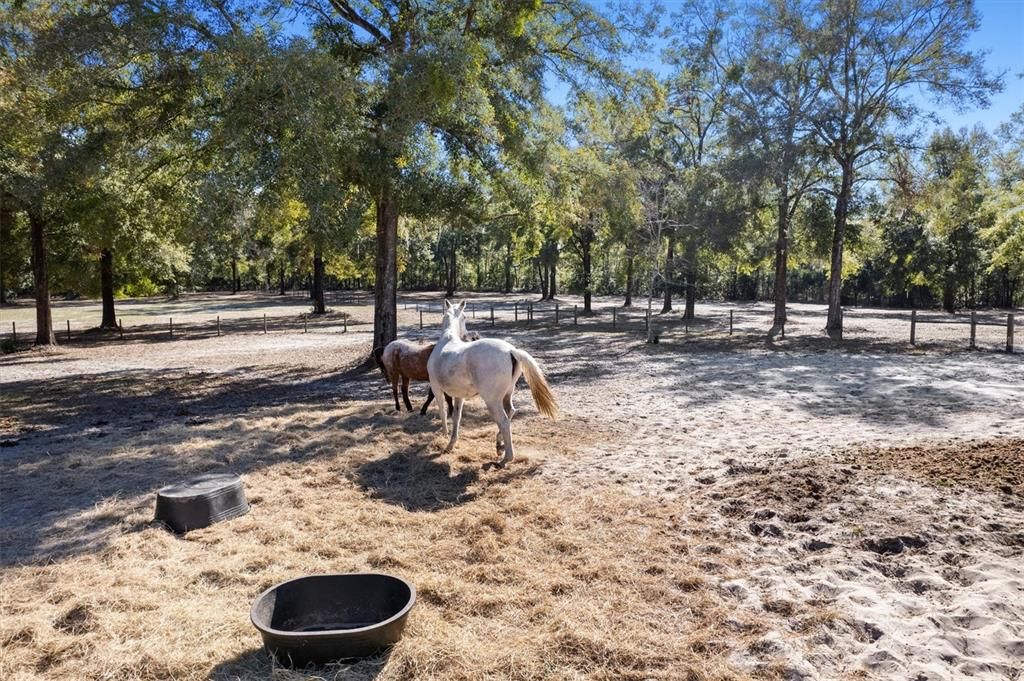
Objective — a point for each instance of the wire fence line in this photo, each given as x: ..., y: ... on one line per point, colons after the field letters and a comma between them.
x: 524, y: 312
x: 528, y: 311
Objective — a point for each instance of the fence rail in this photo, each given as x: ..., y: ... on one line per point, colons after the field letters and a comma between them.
x: 522, y: 311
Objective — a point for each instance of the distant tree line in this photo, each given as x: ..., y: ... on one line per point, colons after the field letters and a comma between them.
x: 235, y: 144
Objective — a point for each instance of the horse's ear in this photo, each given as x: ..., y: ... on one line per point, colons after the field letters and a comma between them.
x: 447, y: 304
x: 462, y: 306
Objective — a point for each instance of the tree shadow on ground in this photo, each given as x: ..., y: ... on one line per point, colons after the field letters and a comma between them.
x: 91, y: 451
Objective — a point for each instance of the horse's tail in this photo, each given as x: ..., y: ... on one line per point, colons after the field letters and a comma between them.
x: 378, y: 353
x: 539, y: 387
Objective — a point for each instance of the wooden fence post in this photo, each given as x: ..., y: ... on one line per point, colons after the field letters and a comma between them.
x: 1009, y: 333
x: 529, y: 313
x: 69, y: 330
x: 647, y: 322
x: 516, y: 305
x: 218, y: 326
x: 472, y: 308
x: 305, y: 325
x: 264, y: 322
x: 913, y: 327
x: 170, y: 325
x: 344, y: 323
x: 556, y: 313
x: 492, y: 315
x: 14, y: 332
x: 575, y: 314
x: 421, y: 319
x: 730, y: 322
x: 974, y: 327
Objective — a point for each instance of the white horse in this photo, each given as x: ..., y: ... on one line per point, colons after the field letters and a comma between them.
x: 489, y: 368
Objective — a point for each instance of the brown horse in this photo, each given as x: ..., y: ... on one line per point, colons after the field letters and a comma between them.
x: 405, y: 360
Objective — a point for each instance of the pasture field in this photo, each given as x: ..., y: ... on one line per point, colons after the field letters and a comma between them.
x: 710, y: 507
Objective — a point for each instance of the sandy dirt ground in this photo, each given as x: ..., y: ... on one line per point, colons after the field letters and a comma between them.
x: 713, y: 506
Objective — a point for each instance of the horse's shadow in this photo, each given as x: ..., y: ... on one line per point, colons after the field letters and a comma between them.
x: 424, y: 482
x: 415, y: 482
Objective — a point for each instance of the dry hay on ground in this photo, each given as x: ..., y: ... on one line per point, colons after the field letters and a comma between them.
x: 517, y: 578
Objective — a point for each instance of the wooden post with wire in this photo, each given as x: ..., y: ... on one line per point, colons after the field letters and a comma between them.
x: 14, y: 332
x: 516, y: 306
x: 344, y: 323
x: 170, y: 325
x: 575, y: 314
x: 913, y: 327
x: 421, y: 318
x: 730, y: 322
x: 492, y: 315
x: 69, y: 330
x: 264, y: 322
x: 974, y: 329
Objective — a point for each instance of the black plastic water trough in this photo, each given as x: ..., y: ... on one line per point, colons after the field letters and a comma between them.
x: 324, y: 618
x: 201, y: 501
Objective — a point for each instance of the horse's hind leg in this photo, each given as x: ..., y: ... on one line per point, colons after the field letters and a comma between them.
x: 405, y: 392
x: 394, y: 390
x: 503, y: 441
x: 430, y: 398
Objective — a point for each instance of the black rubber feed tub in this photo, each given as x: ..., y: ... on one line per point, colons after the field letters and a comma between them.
x: 324, y: 618
x: 201, y: 501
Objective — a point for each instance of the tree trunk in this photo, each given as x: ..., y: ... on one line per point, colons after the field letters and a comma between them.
x: 949, y: 295
x: 629, y: 281
x: 41, y: 281
x: 280, y: 278
x: 385, y: 288
x: 834, y: 326
x: 451, y: 272
x: 107, y: 289
x: 319, y: 307
x: 553, y: 286
x: 669, y: 275
x: 6, y: 227
x: 543, y: 281
x: 781, y: 256
x: 235, y: 285
x: 690, y: 281
x: 588, y: 277
x: 508, y: 267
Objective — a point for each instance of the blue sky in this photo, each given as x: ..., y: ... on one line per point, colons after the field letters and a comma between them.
x: 1002, y: 35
